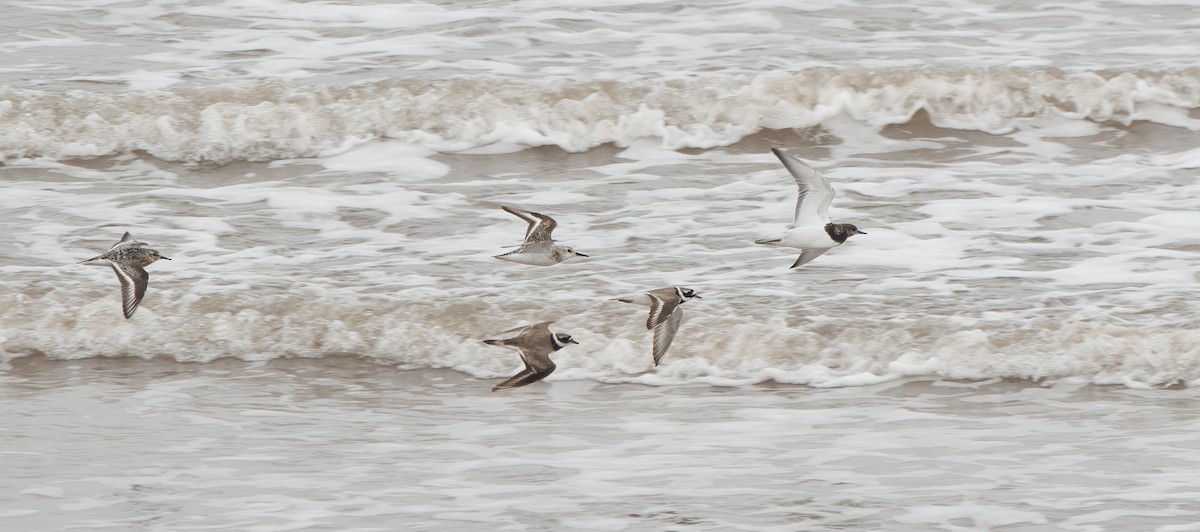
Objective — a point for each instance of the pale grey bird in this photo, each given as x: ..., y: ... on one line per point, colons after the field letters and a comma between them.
x: 665, y: 313
x: 539, y: 248
x: 811, y: 231
x: 128, y: 259
x: 534, y: 343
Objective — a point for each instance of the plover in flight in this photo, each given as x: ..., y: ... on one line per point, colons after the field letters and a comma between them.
x: 534, y: 343
x: 128, y: 258
x: 811, y: 230
x: 665, y: 313
x: 539, y: 248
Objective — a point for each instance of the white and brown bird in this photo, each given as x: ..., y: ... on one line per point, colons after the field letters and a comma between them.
x: 811, y: 231
x: 539, y: 248
x: 534, y: 343
x: 665, y: 313
x: 128, y: 259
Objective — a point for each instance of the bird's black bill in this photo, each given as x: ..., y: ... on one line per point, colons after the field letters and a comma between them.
x: 167, y: 258
x: 577, y: 254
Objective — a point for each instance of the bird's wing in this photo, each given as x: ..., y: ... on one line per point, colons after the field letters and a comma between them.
x: 535, y: 346
x: 537, y: 358
x: 528, y: 375
x: 515, y: 331
x: 665, y: 333
x: 518, y: 331
x: 661, y: 308
x: 133, y: 286
x: 815, y: 194
x: 540, y: 226
x: 808, y: 254
x: 127, y: 241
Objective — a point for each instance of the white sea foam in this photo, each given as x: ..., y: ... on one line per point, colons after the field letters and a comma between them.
x: 274, y: 120
x: 149, y: 44
x: 997, y: 198
x: 327, y: 177
x: 970, y: 270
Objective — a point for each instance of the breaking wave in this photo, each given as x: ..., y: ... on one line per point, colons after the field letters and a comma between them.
x: 277, y: 120
x: 712, y: 349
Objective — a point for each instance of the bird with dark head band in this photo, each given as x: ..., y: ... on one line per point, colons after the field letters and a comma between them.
x: 811, y: 231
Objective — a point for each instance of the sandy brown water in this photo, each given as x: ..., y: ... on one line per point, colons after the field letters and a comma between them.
x: 346, y: 444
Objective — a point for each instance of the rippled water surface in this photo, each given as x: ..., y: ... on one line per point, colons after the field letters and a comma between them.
x: 340, y: 444
x: 1013, y: 345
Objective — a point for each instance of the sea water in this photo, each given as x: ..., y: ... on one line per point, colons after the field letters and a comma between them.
x: 1013, y: 345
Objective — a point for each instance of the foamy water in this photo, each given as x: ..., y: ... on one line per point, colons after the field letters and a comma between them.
x: 328, y: 177
x: 978, y: 264
x: 325, y: 445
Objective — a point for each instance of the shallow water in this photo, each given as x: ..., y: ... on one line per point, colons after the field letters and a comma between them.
x: 1014, y: 345
x: 350, y: 445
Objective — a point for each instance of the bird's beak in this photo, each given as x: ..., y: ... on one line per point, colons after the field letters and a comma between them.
x: 167, y: 258
x: 578, y: 254
x: 861, y: 233
x: 697, y: 296
x: 574, y: 342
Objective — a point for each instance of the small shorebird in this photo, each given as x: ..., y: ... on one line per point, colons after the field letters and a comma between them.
x: 811, y: 231
x: 539, y: 248
x: 665, y: 313
x: 128, y: 258
x: 534, y: 343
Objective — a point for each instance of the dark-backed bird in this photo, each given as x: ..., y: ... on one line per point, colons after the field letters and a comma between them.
x: 665, y: 313
x: 534, y: 343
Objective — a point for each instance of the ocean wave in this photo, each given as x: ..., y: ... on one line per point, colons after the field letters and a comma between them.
x: 713, y: 349
x: 277, y: 120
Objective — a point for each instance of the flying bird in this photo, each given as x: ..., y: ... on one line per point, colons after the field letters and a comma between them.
x: 534, y: 343
x: 811, y: 231
x: 539, y: 248
x: 665, y: 314
x: 128, y: 259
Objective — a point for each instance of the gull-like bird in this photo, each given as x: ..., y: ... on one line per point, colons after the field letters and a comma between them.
x: 665, y: 313
x: 811, y: 231
x: 539, y: 248
x: 128, y: 259
x: 534, y: 343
